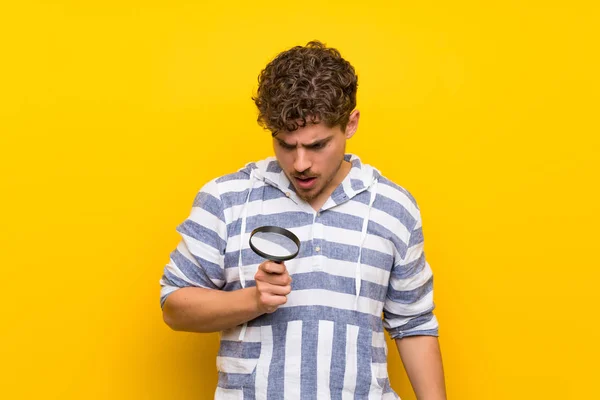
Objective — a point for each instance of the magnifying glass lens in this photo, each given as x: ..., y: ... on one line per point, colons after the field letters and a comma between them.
x: 274, y: 243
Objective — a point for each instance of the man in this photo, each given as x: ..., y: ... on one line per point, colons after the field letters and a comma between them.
x: 309, y: 328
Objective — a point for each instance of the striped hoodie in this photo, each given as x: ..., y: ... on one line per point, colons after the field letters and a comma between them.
x: 361, y: 270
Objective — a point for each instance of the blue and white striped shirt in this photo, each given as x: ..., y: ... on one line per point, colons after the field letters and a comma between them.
x: 361, y: 257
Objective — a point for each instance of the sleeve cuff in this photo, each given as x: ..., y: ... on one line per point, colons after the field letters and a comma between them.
x: 399, y: 334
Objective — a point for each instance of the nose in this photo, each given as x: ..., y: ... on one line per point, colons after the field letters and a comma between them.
x: 302, y: 161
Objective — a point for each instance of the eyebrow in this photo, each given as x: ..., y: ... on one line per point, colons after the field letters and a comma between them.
x: 309, y: 145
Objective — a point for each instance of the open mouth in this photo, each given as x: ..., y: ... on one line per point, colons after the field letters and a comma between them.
x: 305, y: 183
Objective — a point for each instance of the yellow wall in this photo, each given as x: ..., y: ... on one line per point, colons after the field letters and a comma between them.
x: 113, y: 114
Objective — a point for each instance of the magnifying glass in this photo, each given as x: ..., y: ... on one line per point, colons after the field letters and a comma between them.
x: 274, y: 243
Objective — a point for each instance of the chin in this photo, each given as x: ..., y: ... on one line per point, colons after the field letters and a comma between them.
x: 308, y: 196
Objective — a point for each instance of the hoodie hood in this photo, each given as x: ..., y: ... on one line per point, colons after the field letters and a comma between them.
x: 360, y: 177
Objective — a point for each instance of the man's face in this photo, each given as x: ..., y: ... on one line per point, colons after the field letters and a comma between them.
x: 311, y: 156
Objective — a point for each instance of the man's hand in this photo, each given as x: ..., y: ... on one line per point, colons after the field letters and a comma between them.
x: 273, y: 284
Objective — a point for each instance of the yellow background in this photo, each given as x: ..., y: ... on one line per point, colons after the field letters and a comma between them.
x: 113, y: 114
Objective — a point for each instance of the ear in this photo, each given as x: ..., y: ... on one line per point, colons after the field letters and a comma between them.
x: 352, y: 124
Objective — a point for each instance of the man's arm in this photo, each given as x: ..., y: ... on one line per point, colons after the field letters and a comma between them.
x: 422, y: 360
x: 191, y: 294
x: 194, y: 309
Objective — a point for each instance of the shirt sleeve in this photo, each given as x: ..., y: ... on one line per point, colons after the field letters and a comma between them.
x: 198, y: 259
x: 408, y: 310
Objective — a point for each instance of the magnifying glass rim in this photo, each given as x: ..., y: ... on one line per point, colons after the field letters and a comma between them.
x: 281, y: 231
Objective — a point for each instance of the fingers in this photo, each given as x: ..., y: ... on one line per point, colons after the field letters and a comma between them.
x: 281, y: 277
x: 271, y: 289
x: 279, y: 280
x: 273, y: 284
x: 269, y: 303
x: 271, y: 267
x: 270, y: 297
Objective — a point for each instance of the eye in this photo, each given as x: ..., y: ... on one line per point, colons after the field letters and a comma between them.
x: 286, y: 146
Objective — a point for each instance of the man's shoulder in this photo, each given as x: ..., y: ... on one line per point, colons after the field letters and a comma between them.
x: 227, y: 183
x: 396, y: 192
x: 236, y: 181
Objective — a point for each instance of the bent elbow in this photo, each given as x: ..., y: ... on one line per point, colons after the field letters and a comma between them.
x: 170, y: 317
x: 169, y: 320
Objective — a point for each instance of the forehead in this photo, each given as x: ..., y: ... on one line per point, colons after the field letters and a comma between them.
x: 308, y: 134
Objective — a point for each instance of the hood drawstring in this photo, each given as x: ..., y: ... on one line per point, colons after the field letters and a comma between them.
x: 358, y: 278
x: 242, y: 231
